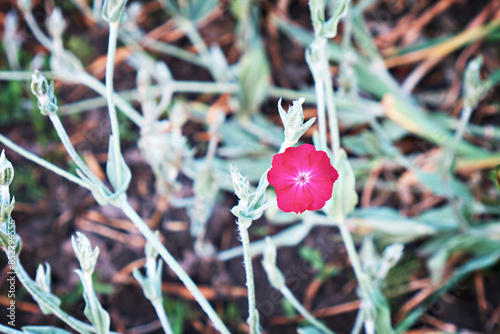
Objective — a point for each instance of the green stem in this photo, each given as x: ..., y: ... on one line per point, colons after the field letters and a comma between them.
x: 330, y: 100
x: 174, y: 265
x: 353, y: 256
x: 172, y: 50
x: 162, y: 315
x: 23, y: 75
x: 101, y: 89
x: 319, y: 87
x: 9, y: 330
x: 302, y: 310
x: 61, y: 132
x: 110, y: 65
x: 35, y: 29
x: 253, y: 317
x: 42, y: 162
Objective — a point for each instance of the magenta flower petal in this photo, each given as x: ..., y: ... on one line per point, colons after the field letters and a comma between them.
x: 303, y: 178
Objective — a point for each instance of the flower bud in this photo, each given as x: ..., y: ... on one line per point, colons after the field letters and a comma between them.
x: 473, y: 85
x: 56, y: 23
x: 47, y: 102
x: 83, y: 250
x: 240, y: 184
x: 293, y: 121
x: 6, y: 171
x: 112, y: 10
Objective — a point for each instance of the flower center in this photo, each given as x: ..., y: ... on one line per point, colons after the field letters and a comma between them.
x: 302, y: 178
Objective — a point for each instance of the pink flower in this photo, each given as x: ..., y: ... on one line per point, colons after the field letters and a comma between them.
x: 303, y: 178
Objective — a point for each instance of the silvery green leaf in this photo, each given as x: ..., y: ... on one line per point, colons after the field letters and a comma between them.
x: 219, y: 62
x: 119, y: 185
x: 151, y: 284
x: 42, y: 280
x: 433, y: 182
x: 265, y: 130
x: 94, y: 311
x: 252, y: 168
x: 43, y: 330
x: 339, y: 11
x: 383, y: 318
x: 292, y: 236
x: 394, y: 131
x: 344, y: 198
x: 43, y: 277
x: 274, y: 275
x: 6, y: 208
x: 254, y: 76
x: 317, y: 9
x: 389, y: 223
x: 42, y: 298
x: 239, y: 142
x: 365, y: 143
x: 441, y: 218
x: 97, y: 191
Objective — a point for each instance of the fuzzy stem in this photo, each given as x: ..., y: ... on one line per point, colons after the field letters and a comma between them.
x: 353, y: 256
x: 61, y: 132
x: 40, y: 297
x: 330, y: 100
x: 35, y: 29
x: 319, y: 87
x: 162, y: 315
x: 303, y: 311
x: 42, y: 162
x: 173, y: 264
x: 253, y: 317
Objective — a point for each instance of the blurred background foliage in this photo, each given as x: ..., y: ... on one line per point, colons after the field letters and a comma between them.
x: 206, y: 76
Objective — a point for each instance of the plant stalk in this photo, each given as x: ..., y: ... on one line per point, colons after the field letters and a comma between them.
x: 173, y: 264
x: 253, y: 317
x: 285, y: 291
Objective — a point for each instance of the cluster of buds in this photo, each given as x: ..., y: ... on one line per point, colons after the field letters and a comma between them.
x: 44, y: 92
